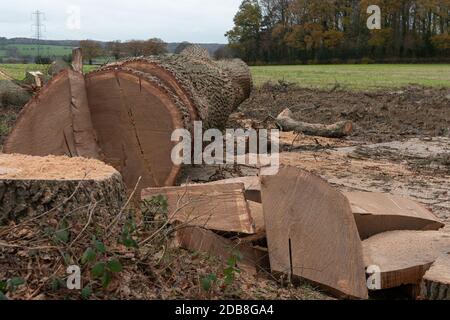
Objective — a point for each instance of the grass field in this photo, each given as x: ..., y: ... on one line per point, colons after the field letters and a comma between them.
x: 351, y: 77
x: 31, y: 50
x: 356, y: 77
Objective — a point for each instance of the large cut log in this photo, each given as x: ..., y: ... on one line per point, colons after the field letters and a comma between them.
x: 403, y: 257
x: 56, y: 121
x: 214, y: 207
x: 134, y: 116
x: 197, y: 239
x: 312, y: 234
x: 210, y: 90
x: 436, y: 282
x: 30, y: 186
x: 125, y: 113
x: 338, y: 130
x: 377, y: 213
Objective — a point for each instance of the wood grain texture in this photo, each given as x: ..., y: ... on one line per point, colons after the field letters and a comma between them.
x: 376, y: 213
x: 312, y: 234
x: 214, y: 207
x: 404, y: 257
x: 56, y: 121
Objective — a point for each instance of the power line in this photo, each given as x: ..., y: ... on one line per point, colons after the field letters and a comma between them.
x: 38, y: 18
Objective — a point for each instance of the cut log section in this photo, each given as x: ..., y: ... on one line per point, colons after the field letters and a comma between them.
x: 312, y: 234
x: 338, y: 130
x: 436, y: 282
x: 220, y: 208
x: 134, y: 116
x: 30, y: 186
x: 403, y: 257
x: 378, y: 213
x: 56, y: 121
x: 200, y: 240
x: 125, y: 113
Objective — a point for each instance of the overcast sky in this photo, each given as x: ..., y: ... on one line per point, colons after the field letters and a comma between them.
x: 170, y: 20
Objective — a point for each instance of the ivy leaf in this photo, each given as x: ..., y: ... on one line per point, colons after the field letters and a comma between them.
x: 62, y: 236
x: 14, y: 283
x: 115, y: 266
x: 106, y: 279
x: 3, y: 286
x: 98, y: 270
x: 88, y: 256
x: 86, y: 293
x: 99, y: 246
x: 3, y: 297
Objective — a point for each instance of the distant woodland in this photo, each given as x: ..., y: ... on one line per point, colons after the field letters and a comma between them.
x: 335, y: 31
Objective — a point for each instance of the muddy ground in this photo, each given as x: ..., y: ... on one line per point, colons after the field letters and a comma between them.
x: 379, y: 116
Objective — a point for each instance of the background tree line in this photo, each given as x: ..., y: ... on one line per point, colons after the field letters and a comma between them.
x: 332, y: 31
x: 117, y: 49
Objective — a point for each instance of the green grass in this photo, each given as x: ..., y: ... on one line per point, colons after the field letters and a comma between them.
x: 356, y: 77
x: 18, y: 71
x: 46, y: 50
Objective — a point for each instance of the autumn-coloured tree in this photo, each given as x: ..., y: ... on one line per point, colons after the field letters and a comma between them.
x: 303, y: 30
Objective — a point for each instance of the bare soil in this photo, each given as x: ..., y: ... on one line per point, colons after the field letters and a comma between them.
x: 379, y: 116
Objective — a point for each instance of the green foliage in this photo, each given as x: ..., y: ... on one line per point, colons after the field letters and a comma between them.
x: 229, y: 274
x: 102, y: 267
x: 62, y: 235
x: 9, y: 286
x: 208, y: 282
x: 86, y: 292
x: 126, y: 237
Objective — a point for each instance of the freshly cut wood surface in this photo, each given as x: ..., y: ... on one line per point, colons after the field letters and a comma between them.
x: 30, y: 186
x: 436, y: 282
x: 200, y: 240
x: 214, y: 207
x: 312, y: 234
x: 252, y: 186
x: 134, y: 117
x: 377, y: 213
x: 404, y: 256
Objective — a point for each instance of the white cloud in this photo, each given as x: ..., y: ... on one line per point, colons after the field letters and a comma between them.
x: 171, y: 20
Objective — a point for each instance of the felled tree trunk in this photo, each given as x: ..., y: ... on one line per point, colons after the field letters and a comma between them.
x: 436, y: 282
x: 125, y: 113
x: 31, y: 186
x: 338, y: 130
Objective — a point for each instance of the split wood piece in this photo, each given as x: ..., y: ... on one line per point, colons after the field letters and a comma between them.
x: 35, y: 79
x: 134, y: 116
x: 210, y: 91
x: 338, y: 130
x: 214, y: 207
x: 252, y: 186
x: 436, y: 282
x: 56, y: 121
x: 30, y: 186
x: 403, y: 257
x: 312, y: 234
x: 377, y: 213
x: 200, y: 240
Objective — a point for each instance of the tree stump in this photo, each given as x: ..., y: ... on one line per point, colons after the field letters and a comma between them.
x: 31, y: 186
